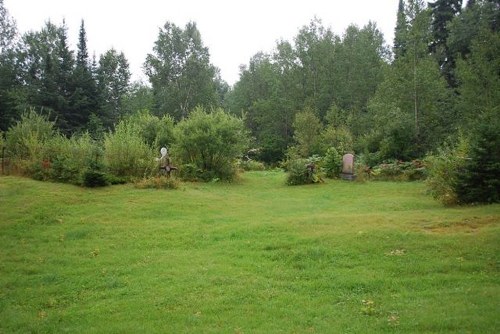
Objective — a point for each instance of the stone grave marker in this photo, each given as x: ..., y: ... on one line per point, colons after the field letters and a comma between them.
x: 348, y: 167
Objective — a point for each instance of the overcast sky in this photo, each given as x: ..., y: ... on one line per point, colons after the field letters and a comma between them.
x: 232, y: 30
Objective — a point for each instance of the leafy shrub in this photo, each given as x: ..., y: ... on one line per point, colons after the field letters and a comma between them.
x: 307, y: 128
x: 156, y: 132
x: 126, y: 154
x: 67, y: 159
x: 339, y: 138
x: 252, y: 165
x: 26, y: 139
x: 304, y: 171
x: 208, y: 144
x: 443, y: 171
x: 332, y: 163
x: 399, y: 171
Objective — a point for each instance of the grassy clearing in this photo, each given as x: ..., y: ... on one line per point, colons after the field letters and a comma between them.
x: 251, y: 257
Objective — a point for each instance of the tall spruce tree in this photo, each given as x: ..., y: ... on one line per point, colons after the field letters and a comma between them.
x: 400, y: 31
x: 45, y: 68
x: 113, y: 77
x: 84, y: 100
x: 443, y: 12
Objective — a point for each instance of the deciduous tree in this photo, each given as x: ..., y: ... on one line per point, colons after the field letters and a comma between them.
x: 180, y: 71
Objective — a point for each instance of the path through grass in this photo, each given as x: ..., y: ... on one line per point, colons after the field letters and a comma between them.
x: 251, y: 257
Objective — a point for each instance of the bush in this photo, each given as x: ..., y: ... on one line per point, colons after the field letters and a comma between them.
x: 338, y: 137
x: 208, y: 145
x: 332, y: 163
x: 126, y: 154
x: 303, y: 171
x: 27, y: 137
x: 443, y: 171
x: 399, y: 171
x: 154, y: 131
x: 251, y: 165
x: 95, y: 176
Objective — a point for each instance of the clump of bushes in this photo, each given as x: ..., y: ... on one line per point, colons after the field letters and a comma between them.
x: 444, y: 170
x: 126, y: 154
x: 332, y: 163
x: 208, y: 145
x: 399, y: 171
x: 251, y: 165
x: 468, y: 171
x: 304, y: 171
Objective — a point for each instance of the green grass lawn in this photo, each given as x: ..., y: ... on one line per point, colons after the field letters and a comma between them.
x: 255, y: 256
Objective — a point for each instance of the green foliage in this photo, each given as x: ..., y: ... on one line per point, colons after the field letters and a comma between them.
x: 63, y: 159
x: 304, y: 171
x: 155, y: 131
x: 443, y: 171
x: 332, y: 163
x: 113, y: 76
x: 251, y: 165
x: 480, y: 82
x: 479, y: 179
x: 318, y: 71
x: 399, y: 171
x: 95, y: 176
x: 25, y: 140
x: 411, y: 108
x: 338, y: 137
x: 307, y: 128
x: 126, y: 154
x: 208, y: 144
x: 180, y: 71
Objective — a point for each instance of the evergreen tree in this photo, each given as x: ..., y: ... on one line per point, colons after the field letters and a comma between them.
x: 411, y: 107
x: 83, y: 101
x: 400, y: 31
x: 46, y: 65
x: 82, y: 55
x: 443, y: 12
x: 479, y: 181
x: 479, y: 91
x: 113, y: 76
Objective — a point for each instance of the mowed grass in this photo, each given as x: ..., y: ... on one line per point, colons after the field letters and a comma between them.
x: 255, y: 256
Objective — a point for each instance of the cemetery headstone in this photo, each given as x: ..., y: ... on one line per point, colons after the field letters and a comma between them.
x: 348, y: 167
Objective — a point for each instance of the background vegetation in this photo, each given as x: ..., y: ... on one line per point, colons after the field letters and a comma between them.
x: 438, y: 81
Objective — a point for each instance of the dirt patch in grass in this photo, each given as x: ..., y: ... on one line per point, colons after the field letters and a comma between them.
x: 466, y: 225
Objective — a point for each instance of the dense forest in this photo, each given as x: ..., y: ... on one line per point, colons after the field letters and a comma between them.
x: 438, y: 85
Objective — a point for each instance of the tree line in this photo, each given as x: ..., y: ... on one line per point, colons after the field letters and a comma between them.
x: 320, y: 90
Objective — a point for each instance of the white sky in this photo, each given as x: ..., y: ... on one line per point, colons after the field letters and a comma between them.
x: 233, y: 30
